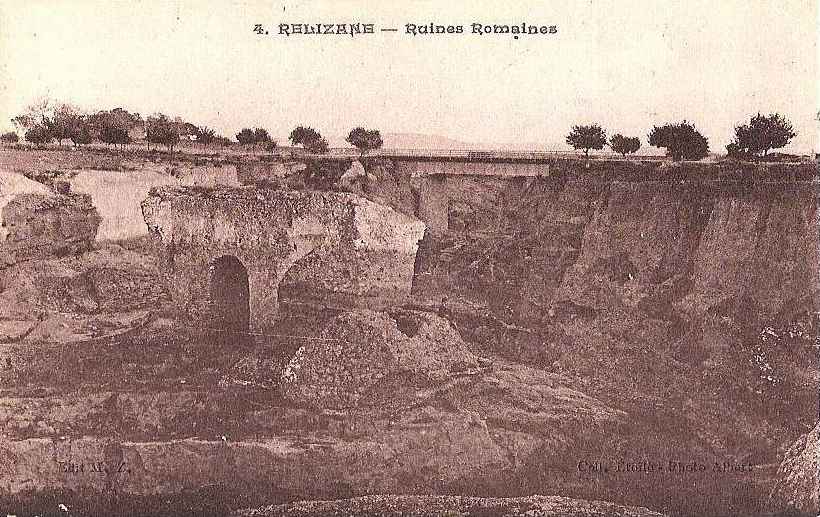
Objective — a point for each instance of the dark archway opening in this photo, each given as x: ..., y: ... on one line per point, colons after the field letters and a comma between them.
x: 230, y: 295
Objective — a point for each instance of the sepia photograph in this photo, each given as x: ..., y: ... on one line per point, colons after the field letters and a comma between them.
x: 344, y: 257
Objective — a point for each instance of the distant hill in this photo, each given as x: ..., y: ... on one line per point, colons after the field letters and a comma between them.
x: 413, y: 141
x: 425, y: 141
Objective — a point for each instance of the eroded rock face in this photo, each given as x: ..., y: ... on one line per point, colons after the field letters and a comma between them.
x: 340, y: 247
x: 798, y: 480
x: 36, y: 223
x: 760, y: 244
x: 368, y: 358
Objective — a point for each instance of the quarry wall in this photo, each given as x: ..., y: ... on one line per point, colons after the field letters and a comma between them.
x: 443, y: 187
x: 686, y: 237
x: 651, y: 243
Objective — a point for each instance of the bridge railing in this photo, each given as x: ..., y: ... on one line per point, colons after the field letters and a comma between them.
x: 480, y: 154
x: 472, y: 154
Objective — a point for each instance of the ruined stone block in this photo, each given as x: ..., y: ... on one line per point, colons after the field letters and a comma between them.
x: 37, y: 223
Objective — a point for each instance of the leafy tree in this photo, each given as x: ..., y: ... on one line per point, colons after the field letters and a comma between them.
x: 682, y: 141
x: 45, y: 115
x: 319, y: 146
x: 161, y: 129
x: 624, y: 145
x: 246, y: 136
x: 303, y: 135
x: 260, y: 136
x: 115, y: 136
x: 223, y: 140
x: 205, y: 135
x: 114, y: 127
x: 64, y: 122
x: 187, y: 128
x: 365, y: 140
x: 35, y: 114
x: 10, y: 137
x: 587, y: 137
x: 38, y: 134
x: 81, y: 134
x: 310, y: 139
x: 761, y: 134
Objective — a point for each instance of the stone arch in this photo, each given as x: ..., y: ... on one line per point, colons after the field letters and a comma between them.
x: 304, y: 250
x: 229, y: 293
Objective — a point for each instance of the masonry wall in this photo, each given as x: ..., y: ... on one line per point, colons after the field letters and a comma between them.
x: 341, y: 244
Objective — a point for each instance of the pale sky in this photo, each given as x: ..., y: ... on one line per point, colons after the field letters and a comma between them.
x: 624, y: 64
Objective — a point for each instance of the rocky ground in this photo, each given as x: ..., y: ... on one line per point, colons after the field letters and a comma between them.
x: 111, y: 401
x: 419, y: 506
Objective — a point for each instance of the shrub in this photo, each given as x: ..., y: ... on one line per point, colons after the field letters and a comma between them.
x: 624, y: 145
x: 245, y: 136
x: 38, y: 135
x: 9, y: 137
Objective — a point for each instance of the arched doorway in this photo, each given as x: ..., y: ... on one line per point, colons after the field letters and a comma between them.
x: 230, y: 295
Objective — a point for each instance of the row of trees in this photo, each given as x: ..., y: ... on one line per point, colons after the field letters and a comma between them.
x: 683, y: 141
x: 252, y: 137
x: 594, y: 137
x: 45, y: 121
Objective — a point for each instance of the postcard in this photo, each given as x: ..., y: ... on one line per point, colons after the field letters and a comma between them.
x: 319, y: 257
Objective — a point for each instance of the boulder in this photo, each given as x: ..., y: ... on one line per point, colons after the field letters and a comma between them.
x: 15, y: 330
x: 364, y: 358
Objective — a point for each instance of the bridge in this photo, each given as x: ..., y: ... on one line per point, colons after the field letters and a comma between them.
x: 480, y: 155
